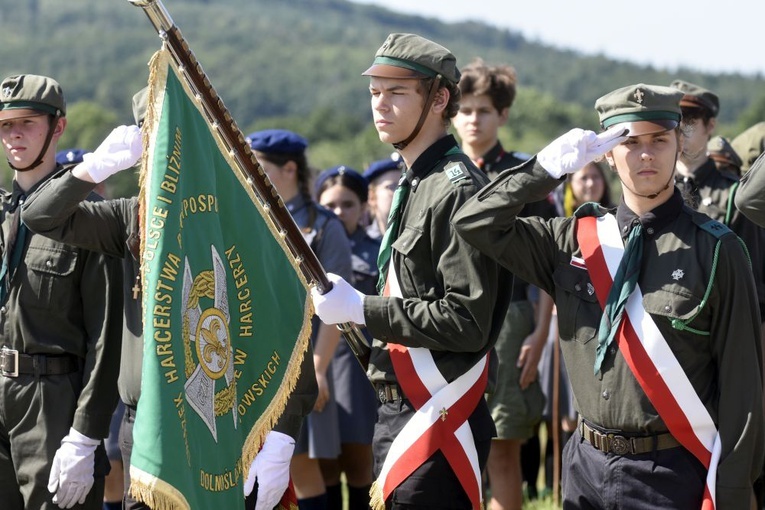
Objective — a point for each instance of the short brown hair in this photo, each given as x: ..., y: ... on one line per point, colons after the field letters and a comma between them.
x: 497, y: 82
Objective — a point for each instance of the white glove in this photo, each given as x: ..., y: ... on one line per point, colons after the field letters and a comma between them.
x: 120, y: 150
x: 271, y: 468
x: 71, y: 476
x: 573, y: 150
x: 341, y: 304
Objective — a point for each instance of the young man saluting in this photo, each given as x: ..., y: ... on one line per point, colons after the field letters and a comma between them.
x: 657, y: 313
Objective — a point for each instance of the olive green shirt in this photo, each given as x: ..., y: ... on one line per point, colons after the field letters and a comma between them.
x: 678, y: 258
x: 65, y: 300
x: 451, y: 300
x: 750, y: 198
x: 58, y: 211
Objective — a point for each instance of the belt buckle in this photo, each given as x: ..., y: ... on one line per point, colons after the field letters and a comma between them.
x: 5, y: 353
x: 381, y: 396
x: 619, y: 445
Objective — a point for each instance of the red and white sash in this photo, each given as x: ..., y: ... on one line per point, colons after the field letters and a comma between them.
x: 439, y: 422
x: 647, y: 354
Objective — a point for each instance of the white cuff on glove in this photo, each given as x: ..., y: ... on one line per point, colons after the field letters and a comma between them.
x: 573, y: 150
x: 71, y: 474
x: 341, y: 304
x: 120, y: 150
x: 271, y: 468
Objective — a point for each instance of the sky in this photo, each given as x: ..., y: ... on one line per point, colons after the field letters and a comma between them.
x: 704, y: 35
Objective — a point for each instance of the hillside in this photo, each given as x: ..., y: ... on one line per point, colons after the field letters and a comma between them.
x: 298, y: 62
x: 271, y: 57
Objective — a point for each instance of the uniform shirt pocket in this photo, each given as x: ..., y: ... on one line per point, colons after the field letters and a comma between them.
x: 677, y: 304
x: 578, y: 309
x: 412, y: 245
x: 47, y: 264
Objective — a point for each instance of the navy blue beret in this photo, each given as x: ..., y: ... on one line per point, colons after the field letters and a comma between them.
x: 379, y: 167
x: 276, y: 140
x: 68, y: 156
x: 361, y: 182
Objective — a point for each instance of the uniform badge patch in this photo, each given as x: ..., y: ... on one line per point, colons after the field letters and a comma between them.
x: 578, y: 262
x: 456, y: 171
x: 677, y: 274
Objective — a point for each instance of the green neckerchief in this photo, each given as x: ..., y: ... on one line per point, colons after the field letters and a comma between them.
x: 625, y: 281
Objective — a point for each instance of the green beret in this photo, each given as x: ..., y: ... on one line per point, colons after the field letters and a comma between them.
x: 644, y: 109
x: 697, y: 97
x: 140, y: 100
x: 413, y: 57
x: 31, y: 92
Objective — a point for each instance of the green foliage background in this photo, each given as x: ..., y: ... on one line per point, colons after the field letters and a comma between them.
x: 297, y: 64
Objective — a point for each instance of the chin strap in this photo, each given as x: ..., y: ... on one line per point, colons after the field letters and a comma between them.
x: 428, y: 102
x: 44, y: 149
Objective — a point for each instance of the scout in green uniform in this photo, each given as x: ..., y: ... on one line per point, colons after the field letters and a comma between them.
x: 675, y: 337
x: 708, y: 190
x: 725, y: 157
x: 441, y: 309
x: 750, y: 199
x: 750, y: 144
x: 517, y: 401
x: 59, y: 327
x: 58, y: 210
x: 344, y: 191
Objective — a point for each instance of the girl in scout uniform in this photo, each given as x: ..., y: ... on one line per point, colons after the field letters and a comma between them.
x: 281, y: 153
x: 344, y: 191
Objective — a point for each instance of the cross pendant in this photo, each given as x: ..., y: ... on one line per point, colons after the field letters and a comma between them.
x: 137, y: 287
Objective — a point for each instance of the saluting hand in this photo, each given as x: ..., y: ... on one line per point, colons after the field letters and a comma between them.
x: 573, y: 150
x: 120, y: 150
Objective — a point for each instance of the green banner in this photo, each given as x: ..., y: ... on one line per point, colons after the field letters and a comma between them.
x: 226, y: 312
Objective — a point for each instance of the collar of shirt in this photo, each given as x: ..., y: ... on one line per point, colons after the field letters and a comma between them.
x: 491, y: 158
x: 653, y: 221
x: 701, y: 174
x: 18, y: 192
x: 425, y: 163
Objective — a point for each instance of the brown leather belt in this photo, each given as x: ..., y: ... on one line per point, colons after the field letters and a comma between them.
x: 13, y: 363
x: 619, y: 444
x: 388, y: 392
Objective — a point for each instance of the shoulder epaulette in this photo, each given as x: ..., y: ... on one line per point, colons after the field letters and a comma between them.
x: 711, y: 226
x: 456, y: 171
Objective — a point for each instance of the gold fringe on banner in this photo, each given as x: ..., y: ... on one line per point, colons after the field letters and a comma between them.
x: 376, y: 499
